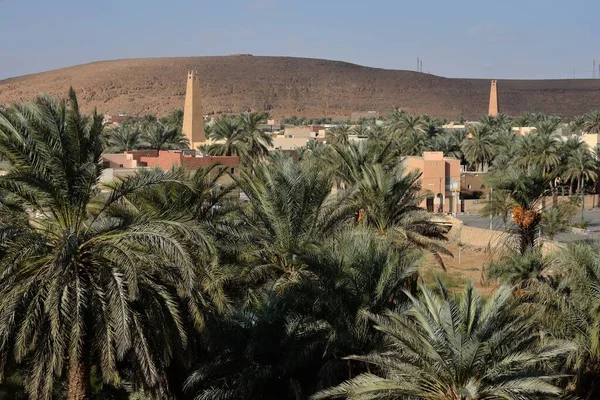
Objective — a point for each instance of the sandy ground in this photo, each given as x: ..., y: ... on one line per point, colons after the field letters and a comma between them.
x: 470, y: 265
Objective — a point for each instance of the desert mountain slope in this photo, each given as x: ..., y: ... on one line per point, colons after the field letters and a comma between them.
x: 294, y: 86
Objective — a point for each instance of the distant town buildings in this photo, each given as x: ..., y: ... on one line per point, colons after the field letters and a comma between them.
x: 359, y: 115
x: 118, y: 119
x: 440, y: 180
x: 124, y: 164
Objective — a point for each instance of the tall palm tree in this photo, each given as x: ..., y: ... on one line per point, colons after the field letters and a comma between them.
x: 526, y: 155
x: 450, y: 347
x: 361, y: 130
x: 290, y: 207
x: 348, y: 161
x: 448, y: 144
x: 261, y: 353
x: 124, y: 138
x: 162, y: 137
x: 402, y: 124
x: 258, y: 140
x: 84, y: 278
x: 506, y: 144
x: 479, y: 145
x: 581, y: 167
x: 524, y: 120
x: 547, y: 127
x: 228, y: 138
x: 577, y: 123
x: 389, y: 202
x: 567, y: 308
x: 338, y: 135
x: 548, y: 151
x: 354, y: 272
x: 174, y: 119
x: 413, y: 143
x: 592, y: 122
x: 526, y: 189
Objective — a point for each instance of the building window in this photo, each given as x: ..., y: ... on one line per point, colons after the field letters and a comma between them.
x: 468, y: 186
x: 232, y: 170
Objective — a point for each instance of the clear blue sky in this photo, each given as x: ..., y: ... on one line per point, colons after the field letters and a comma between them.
x: 464, y: 38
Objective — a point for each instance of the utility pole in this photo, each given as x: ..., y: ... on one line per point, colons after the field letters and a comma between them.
x: 491, y: 206
x: 418, y: 64
x: 582, y: 198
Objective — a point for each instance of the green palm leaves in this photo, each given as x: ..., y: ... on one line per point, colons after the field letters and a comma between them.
x: 240, y: 136
x: 447, y: 347
x: 84, y: 277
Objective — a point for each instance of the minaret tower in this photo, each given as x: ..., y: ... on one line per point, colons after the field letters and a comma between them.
x: 193, y: 115
x: 493, y: 111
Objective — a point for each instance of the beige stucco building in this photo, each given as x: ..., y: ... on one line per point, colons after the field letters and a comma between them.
x: 440, y: 180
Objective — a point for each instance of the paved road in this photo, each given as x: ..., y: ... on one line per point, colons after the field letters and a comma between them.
x: 592, y: 216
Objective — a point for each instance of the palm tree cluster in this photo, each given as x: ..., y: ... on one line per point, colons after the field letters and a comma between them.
x: 239, y: 135
x: 147, y: 133
x: 165, y: 284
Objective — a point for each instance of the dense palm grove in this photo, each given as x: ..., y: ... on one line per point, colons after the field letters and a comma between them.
x: 166, y: 285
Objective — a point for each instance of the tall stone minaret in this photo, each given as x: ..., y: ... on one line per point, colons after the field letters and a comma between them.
x: 493, y: 111
x: 193, y: 115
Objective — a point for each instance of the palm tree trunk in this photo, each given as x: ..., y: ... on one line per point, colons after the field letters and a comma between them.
x: 349, y: 369
x: 78, y: 384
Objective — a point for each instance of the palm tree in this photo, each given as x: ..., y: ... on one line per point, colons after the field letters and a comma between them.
x: 348, y: 161
x: 547, y: 127
x: 567, y: 307
x: 478, y: 146
x: 520, y: 270
x: 174, y: 119
x: 355, y: 271
x: 413, y: 143
x: 162, y: 137
x: 389, y: 202
x: 402, y: 124
x: 258, y: 140
x: 500, y: 205
x: 581, y: 167
x: 548, y: 152
x: 447, y: 347
x: 506, y: 146
x: 126, y: 137
x: 524, y: 120
x: 361, y: 130
x: 84, y: 278
x: 577, y: 123
x: 447, y: 143
x: 228, y: 138
x: 592, y: 122
x: 557, y: 219
x: 262, y: 353
x: 338, y: 135
x: 290, y: 207
x: 526, y: 189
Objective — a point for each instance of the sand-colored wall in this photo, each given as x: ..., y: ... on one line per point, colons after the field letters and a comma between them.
x: 485, y: 238
x: 118, y: 160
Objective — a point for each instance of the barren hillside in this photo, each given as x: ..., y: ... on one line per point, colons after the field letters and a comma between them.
x: 306, y: 87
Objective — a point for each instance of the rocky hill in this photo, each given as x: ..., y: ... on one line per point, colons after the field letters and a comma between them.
x: 294, y: 86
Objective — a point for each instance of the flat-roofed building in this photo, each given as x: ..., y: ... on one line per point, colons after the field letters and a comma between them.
x: 440, y: 180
